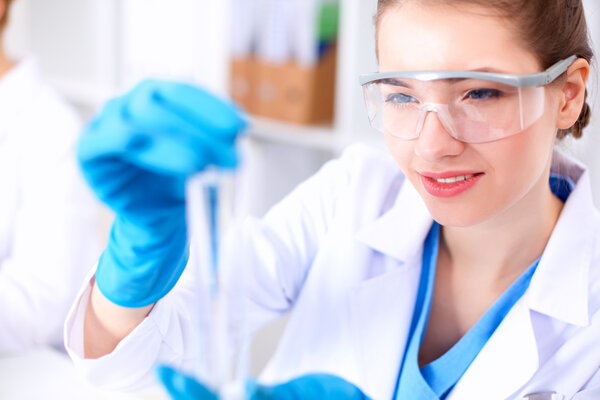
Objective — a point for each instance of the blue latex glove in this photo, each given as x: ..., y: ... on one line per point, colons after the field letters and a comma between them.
x: 312, y: 386
x: 136, y: 155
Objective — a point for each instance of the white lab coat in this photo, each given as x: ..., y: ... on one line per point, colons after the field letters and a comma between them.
x: 47, y: 215
x: 343, y: 253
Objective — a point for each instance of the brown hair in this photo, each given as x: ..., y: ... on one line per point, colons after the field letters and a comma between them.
x: 552, y: 29
x: 4, y: 17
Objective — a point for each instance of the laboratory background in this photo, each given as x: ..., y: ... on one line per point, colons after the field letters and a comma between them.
x: 292, y: 65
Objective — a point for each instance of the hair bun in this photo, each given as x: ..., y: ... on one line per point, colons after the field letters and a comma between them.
x: 577, y: 129
x: 582, y: 121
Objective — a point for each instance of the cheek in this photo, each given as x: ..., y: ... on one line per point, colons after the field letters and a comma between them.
x: 516, y: 162
x: 402, y: 151
x: 524, y: 157
x: 517, y: 166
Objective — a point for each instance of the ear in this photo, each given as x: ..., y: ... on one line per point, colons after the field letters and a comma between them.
x: 572, y: 94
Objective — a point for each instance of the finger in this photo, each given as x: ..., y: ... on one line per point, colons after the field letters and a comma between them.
x: 107, y: 134
x: 111, y: 179
x: 145, y: 111
x: 145, y: 132
x: 183, y: 387
x: 202, y: 108
x: 161, y: 143
x: 172, y: 135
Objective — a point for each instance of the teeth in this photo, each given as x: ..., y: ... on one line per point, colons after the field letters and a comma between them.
x: 455, y: 179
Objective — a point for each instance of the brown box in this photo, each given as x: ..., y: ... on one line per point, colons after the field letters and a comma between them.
x: 243, y: 83
x: 286, y: 92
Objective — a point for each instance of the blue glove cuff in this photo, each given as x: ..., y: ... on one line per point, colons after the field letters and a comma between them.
x: 138, y: 267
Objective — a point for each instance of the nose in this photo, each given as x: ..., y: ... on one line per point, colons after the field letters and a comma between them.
x: 434, y: 141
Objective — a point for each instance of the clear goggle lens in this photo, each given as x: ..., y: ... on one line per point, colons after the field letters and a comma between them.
x: 471, y: 110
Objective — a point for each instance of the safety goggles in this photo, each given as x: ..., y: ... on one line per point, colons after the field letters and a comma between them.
x: 474, y: 107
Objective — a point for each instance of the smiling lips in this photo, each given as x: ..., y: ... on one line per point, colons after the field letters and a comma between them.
x: 450, y: 183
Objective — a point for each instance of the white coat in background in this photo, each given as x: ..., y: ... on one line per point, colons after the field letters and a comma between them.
x: 342, y: 254
x: 47, y: 214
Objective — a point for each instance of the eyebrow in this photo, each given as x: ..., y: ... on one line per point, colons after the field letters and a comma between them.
x: 399, y: 82
x: 488, y: 69
x: 394, y: 82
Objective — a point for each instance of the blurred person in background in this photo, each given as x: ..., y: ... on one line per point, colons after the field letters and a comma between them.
x: 47, y: 217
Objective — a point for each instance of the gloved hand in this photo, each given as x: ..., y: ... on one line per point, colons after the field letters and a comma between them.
x: 136, y: 155
x: 312, y: 386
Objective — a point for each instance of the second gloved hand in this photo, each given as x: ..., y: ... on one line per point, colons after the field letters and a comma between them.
x: 311, y: 386
x: 136, y: 155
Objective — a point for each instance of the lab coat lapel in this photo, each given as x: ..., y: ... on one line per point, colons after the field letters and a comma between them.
x: 559, y: 288
x: 381, y: 312
x: 382, y: 307
x: 400, y: 231
x: 506, y: 362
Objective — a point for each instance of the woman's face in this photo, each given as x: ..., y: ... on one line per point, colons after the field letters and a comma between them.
x: 511, y: 173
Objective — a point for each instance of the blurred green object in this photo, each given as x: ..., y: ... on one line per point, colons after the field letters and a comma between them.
x: 328, y: 21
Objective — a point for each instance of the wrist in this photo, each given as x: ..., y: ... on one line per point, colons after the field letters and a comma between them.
x: 106, y: 323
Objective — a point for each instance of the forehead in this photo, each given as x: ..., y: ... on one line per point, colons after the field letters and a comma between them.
x: 420, y: 35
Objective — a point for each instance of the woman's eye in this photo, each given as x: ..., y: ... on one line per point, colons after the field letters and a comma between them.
x: 400, y: 98
x: 483, y: 94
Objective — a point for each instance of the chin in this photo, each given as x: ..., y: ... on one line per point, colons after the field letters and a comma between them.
x: 456, y: 216
x: 454, y: 222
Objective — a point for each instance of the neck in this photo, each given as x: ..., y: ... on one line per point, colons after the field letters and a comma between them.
x: 498, y: 250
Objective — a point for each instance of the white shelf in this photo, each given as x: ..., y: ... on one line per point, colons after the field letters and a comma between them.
x: 319, y: 137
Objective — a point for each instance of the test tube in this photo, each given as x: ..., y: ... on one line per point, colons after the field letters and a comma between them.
x: 223, y: 348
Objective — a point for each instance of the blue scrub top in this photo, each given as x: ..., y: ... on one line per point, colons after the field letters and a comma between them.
x: 435, y: 380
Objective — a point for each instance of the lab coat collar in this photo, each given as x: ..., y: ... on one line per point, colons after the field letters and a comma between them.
x: 381, y: 313
x: 400, y: 231
x: 559, y: 288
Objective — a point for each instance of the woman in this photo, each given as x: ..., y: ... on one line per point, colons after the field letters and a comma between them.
x: 47, y: 214
x: 470, y: 272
